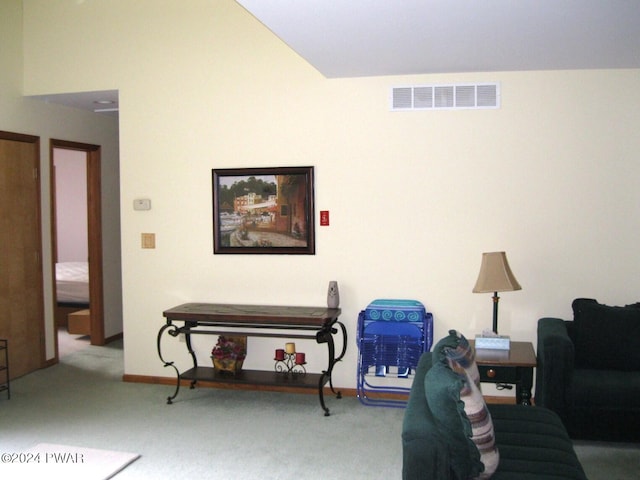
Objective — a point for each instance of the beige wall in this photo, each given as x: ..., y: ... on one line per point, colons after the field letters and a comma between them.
x: 415, y: 198
x: 22, y: 115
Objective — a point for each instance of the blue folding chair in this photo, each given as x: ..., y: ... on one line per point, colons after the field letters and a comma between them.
x: 389, y: 349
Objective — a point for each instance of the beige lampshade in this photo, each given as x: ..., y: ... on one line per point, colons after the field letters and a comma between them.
x: 495, y: 274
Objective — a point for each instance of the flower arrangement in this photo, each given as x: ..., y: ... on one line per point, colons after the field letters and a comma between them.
x: 230, y: 348
x: 229, y: 353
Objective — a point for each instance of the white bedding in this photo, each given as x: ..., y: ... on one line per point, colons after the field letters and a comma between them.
x: 72, y: 282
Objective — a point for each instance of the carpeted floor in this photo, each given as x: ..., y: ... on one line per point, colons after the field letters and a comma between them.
x: 205, y: 434
x: 68, y: 344
x: 221, y: 434
x: 66, y: 462
x: 607, y: 461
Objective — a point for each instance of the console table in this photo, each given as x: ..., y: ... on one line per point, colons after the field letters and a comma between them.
x: 318, y: 323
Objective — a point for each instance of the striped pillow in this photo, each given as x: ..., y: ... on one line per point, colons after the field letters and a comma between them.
x: 442, y: 392
x: 461, y: 359
x: 481, y: 427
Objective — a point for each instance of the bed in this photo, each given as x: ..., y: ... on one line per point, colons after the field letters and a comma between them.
x: 72, y: 289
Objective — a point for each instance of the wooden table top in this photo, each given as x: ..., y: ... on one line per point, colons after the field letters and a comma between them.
x: 521, y: 354
x: 215, y: 313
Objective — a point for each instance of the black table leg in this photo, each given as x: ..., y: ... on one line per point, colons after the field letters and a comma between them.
x: 173, y: 332
x: 326, y: 336
x: 524, y: 386
x: 187, y: 339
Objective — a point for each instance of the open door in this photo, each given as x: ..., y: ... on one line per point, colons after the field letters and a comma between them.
x: 94, y: 232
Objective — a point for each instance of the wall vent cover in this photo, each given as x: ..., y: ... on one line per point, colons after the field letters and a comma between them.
x: 446, y: 97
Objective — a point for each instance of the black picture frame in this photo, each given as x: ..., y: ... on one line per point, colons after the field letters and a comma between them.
x: 263, y: 211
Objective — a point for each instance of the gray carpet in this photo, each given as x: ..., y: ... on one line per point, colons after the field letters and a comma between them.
x: 607, y: 461
x: 205, y: 434
x: 67, y: 462
x: 221, y: 434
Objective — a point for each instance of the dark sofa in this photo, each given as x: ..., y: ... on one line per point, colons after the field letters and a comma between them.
x: 532, y: 442
x: 589, y: 370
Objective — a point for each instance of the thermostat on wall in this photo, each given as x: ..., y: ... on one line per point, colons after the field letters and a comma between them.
x: 142, y: 204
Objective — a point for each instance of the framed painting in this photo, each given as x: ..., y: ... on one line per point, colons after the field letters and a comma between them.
x: 263, y: 211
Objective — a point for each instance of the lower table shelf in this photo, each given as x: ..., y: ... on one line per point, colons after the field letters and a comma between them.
x: 256, y: 377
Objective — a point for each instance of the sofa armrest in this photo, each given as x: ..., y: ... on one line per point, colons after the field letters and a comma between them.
x: 555, y: 365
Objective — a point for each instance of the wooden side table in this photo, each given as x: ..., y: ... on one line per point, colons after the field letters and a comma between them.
x: 514, y: 366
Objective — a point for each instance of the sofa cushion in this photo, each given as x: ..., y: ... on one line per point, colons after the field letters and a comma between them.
x: 534, y: 445
x: 606, y: 389
x: 606, y: 337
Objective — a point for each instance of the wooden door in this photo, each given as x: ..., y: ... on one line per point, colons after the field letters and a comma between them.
x: 21, y: 298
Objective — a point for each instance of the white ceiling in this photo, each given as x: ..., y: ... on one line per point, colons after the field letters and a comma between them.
x: 355, y: 38
x: 352, y: 38
x: 104, y: 102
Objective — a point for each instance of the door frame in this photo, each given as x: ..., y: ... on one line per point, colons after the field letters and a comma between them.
x: 94, y: 227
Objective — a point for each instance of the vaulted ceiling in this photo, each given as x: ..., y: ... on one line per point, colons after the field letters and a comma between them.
x: 355, y: 38
x: 351, y: 38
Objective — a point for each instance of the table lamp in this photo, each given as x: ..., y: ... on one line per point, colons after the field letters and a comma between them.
x: 495, y: 276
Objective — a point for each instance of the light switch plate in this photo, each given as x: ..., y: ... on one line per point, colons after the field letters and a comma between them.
x: 142, y: 204
x: 148, y: 240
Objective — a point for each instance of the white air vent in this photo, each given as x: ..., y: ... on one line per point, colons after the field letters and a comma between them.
x: 402, y: 98
x: 449, y: 97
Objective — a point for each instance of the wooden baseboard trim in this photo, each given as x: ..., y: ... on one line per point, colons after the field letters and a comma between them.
x: 51, y: 362
x: 149, y: 379
x: 113, y: 338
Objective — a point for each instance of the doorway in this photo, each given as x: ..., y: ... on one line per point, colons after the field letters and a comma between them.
x: 90, y: 156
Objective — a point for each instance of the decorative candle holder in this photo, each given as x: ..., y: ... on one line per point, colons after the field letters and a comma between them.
x: 289, y: 365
